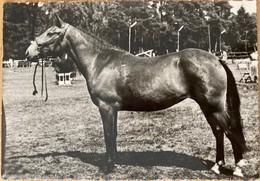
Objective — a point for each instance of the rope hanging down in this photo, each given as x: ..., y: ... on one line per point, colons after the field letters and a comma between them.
x: 44, y: 76
x: 34, y: 74
x: 46, y: 90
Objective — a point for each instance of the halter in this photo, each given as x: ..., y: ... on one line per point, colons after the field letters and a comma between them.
x: 55, y: 41
x: 40, y: 46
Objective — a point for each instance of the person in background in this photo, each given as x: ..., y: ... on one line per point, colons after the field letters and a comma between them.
x: 224, y: 56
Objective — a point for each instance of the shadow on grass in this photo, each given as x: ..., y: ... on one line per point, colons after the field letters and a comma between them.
x: 143, y: 159
x: 163, y: 158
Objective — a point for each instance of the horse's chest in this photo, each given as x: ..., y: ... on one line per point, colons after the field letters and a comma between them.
x: 103, y: 87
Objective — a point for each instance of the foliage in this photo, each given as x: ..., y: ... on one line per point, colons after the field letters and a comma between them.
x: 157, y: 25
x: 64, y: 66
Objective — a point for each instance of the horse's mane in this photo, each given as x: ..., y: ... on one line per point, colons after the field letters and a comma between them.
x: 96, y: 41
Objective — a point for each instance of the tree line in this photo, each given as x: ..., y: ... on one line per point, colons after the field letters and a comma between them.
x: 163, y: 26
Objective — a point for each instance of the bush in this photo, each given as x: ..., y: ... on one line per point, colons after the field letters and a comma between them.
x: 65, y: 66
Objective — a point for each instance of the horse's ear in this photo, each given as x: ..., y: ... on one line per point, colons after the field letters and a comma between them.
x: 58, y: 21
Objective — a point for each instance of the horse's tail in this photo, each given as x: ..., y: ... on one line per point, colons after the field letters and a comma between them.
x: 233, y: 109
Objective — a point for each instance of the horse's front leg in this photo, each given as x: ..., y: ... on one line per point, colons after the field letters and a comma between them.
x: 109, y: 119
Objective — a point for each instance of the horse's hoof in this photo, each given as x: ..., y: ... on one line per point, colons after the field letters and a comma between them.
x: 110, y: 167
x: 215, y: 168
x: 238, y: 172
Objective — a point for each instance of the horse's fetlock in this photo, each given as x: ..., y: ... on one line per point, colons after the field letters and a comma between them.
x: 221, y: 162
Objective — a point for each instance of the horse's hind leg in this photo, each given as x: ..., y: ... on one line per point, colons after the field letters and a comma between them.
x: 237, y: 150
x: 219, y: 135
x: 220, y: 123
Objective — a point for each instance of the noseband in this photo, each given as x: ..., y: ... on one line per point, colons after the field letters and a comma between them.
x: 55, y: 41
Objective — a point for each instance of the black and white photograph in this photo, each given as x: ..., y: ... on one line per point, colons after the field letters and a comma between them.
x: 130, y: 90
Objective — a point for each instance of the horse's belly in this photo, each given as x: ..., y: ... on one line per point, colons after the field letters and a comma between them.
x: 159, y: 93
x: 133, y: 103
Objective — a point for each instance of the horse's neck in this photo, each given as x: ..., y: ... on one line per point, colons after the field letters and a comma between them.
x: 82, y: 52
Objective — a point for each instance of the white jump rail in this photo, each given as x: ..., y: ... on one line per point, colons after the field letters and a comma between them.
x: 148, y: 53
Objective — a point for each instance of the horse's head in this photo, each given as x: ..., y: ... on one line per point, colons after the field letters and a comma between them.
x: 50, y: 43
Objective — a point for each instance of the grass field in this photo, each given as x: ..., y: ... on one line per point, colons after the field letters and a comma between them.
x: 63, y: 137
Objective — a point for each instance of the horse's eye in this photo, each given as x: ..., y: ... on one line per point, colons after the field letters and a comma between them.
x: 50, y: 33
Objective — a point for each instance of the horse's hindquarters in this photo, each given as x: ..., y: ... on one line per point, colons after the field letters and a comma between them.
x: 206, y: 80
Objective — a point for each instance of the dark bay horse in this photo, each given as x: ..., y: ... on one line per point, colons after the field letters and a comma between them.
x: 117, y: 80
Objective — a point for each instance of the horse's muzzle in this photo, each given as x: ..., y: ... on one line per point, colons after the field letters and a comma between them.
x: 32, y: 54
x: 32, y: 59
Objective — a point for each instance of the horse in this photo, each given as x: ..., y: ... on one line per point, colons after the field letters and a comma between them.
x: 119, y: 81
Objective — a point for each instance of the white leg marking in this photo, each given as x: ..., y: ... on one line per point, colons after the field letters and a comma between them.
x: 242, y: 163
x: 221, y: 163
x: 215, y: 168
x: 238, y: 172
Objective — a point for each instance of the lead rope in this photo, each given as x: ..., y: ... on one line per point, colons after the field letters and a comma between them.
x: 43, y: 76
x: 46, y: 90
x: 34, y: 74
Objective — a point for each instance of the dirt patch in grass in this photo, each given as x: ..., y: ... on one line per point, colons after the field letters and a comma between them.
x: 63, y: 138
